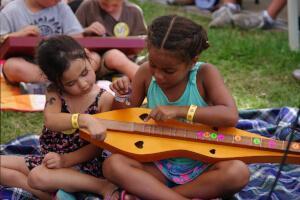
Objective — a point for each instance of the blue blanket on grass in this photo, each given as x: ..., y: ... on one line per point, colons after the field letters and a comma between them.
x: 273, y: 123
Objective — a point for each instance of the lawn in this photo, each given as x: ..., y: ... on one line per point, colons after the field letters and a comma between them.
x: 256, y: 66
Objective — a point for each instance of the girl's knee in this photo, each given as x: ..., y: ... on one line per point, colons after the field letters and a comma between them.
x: 37, y: 178
x: 113, y: 58
x: 237, y: 173
x: 95, y: 60
x: 9, y: 67
x: 113, y: 164
x: 13, y: 68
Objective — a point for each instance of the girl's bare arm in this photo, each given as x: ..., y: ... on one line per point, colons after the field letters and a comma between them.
x: 138, y: 88
x: 83, y: 154
x: 222, y: 110
x: 140, y: 85
x: 55, y: 120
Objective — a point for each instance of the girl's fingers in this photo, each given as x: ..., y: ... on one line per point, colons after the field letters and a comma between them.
x: 157, y: 117
x: 50, y: 163
x: 147, y: 118
x: 94, y: 30
x: 51, y: 166
x: 100, y: 137
x: 153, y: 115
x: 126, y: 87
x: 97, y: 30
x: 123, y: 87
x: 103, y: 136
x: 120, y: 85
x: 45, y: 160
x: 113, y: 87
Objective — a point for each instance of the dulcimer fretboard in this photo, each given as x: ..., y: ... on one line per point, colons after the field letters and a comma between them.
x: 204, y: 136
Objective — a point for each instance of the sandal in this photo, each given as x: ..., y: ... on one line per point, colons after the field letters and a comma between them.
x: 117, y: 189
x: 124, y: 193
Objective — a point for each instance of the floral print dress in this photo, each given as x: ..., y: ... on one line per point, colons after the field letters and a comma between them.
x: 58, y: 142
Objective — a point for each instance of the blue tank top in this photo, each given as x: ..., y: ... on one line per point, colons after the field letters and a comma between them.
x: 191, y: 95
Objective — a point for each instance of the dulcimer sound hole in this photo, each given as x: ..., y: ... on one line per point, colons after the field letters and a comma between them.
x: 212, y: 151
x: 143, y: 116
x: 139, y: 144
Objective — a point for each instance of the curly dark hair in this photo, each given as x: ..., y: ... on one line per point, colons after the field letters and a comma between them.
x: 179, y: 35
x: 54, y: 55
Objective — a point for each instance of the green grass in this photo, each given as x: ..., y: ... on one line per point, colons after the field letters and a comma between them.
x: 256, y: 66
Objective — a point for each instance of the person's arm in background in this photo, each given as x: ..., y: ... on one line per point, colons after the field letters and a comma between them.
x: 7, y: 29
x: 90, y: 27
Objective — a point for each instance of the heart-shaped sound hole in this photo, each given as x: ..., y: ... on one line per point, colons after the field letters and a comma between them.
x: 139, y: 144
x: 143, y: 116
x: 212, y: 151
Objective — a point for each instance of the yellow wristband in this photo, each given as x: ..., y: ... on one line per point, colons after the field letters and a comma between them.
x: 191, y: 113
x: 74, y: 120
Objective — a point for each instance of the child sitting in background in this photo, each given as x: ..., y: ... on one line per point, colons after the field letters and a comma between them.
x: 67, y: 161
x: 45, y: 18
x: 104, y: 17
x: 177, y: 86
x: 35, y: 18
x: 117, y: 18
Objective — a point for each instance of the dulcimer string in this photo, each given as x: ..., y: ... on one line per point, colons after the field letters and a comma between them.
x: 203, y: 136
x: 294, y: 129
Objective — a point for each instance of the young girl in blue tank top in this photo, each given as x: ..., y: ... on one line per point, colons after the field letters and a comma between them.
x: 177, y: 86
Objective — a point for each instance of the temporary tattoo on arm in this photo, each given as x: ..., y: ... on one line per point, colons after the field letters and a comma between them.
x: 50, y: 101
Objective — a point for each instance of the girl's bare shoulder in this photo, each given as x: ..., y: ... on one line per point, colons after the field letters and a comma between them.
x: 208, y: 71
x: 144, y: 73
x: 145, y: 67
x: 208, y: 67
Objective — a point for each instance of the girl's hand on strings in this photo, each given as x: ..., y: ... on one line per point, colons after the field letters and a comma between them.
x: 121, y: 86
x: 162, y: 113
x: 96, y: 129
x: 53, y: 160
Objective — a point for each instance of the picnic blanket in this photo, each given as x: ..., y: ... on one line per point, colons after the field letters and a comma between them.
x: 274, y: 123
x: 12, y: 99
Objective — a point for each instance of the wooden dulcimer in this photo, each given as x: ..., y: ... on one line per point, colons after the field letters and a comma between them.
x: 148, y: 141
